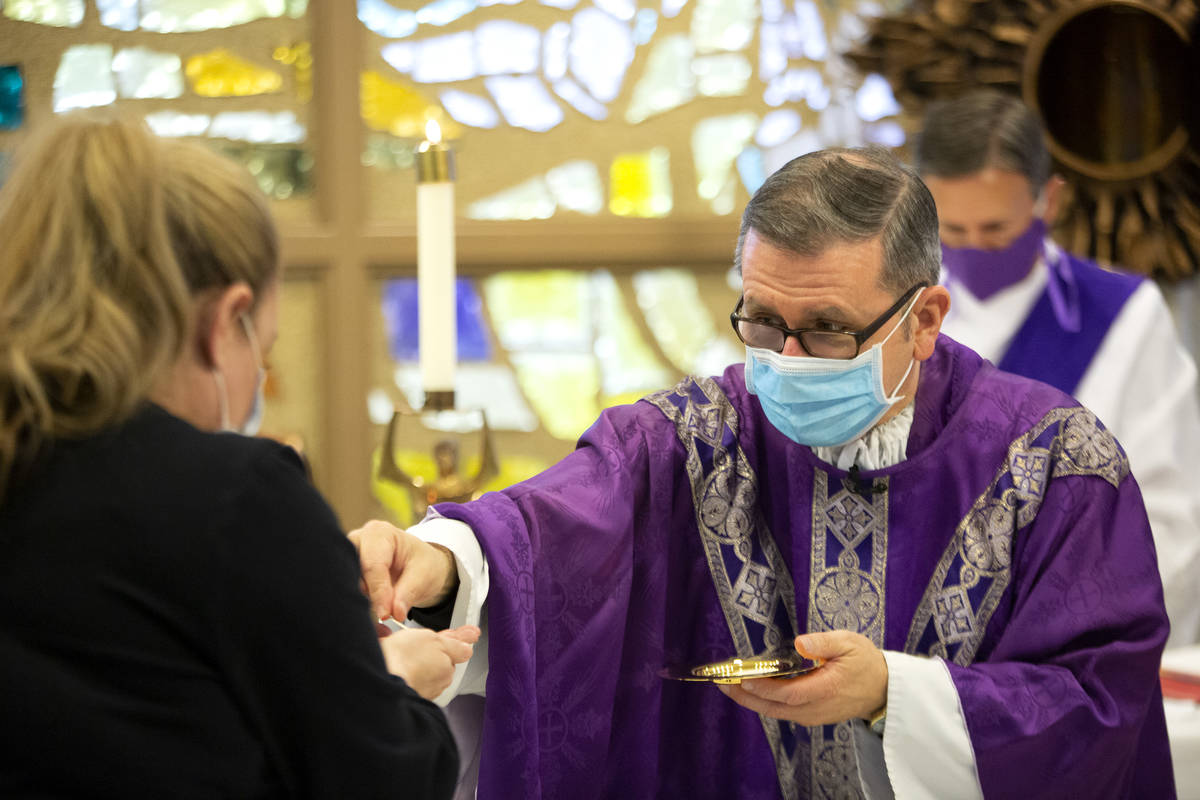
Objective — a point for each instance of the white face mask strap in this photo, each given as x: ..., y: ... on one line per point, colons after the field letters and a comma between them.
x: 904, y: 316
x: 222, y: 399
x: 249, y: 328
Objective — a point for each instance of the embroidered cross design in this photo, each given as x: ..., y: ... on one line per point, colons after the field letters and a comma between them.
x: 952, y: 615
x: 754, y: 592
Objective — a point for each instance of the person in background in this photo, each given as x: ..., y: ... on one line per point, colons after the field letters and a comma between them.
x: 145, y: 650
x: 1032, y: 308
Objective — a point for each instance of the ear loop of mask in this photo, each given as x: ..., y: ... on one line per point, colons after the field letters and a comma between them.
x: 894, y: 398
x: 219, y: 378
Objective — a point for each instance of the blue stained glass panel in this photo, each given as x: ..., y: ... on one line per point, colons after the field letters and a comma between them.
x: 399, y: 308
x: 12, y: 97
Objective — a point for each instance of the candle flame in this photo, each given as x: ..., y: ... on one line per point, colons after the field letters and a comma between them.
x: 433, y: 132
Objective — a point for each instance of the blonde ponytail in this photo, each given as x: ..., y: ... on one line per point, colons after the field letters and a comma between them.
x: 106, y: 235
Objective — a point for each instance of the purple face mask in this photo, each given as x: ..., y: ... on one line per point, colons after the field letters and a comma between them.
x: 985, y: 272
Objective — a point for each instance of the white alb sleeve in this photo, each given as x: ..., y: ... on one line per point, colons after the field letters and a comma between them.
x: 473, y: 580
x: 926, y: 748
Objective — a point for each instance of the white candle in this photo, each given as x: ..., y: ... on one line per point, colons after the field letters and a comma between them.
x: 435, y: 268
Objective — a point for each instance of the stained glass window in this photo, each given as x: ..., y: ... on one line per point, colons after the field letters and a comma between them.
x: 145, y: 73
x: 625, y: 83
x: 12, y: 97
x: 60, y: 13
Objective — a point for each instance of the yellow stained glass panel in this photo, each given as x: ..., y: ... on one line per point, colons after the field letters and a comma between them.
x: 220, y: 73
x: 641, y: 184
x: 395, y: 108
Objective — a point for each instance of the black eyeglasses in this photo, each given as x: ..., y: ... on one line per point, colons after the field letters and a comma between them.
x: 816, y: 342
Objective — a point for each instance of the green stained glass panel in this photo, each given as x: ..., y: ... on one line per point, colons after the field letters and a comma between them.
x: 562, y: 388
x: 628, y: 366
x: 685, y: 330
x: 539, y: 310
x: 716, y: 144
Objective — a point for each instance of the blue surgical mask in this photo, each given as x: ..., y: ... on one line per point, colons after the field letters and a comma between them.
x: 823, y: 402
x: 250, y: 426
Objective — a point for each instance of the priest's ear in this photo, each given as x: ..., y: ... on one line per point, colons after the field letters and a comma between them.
x: 927, y: 316
x: 1049, y: 201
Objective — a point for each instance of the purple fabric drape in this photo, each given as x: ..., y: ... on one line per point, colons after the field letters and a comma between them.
x: 685, y: 528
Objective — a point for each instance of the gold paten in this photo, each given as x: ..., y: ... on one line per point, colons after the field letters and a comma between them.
x: 738, y: 669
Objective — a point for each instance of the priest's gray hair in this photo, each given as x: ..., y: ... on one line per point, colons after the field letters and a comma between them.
x: 849, y: 195
x: 982, y: 129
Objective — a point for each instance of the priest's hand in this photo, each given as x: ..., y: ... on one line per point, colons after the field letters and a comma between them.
x: 851, y: 683
x: 402, y: 572
x: 425, y: 659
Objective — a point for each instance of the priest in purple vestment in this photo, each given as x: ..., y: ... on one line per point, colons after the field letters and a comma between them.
x: 965, y: 549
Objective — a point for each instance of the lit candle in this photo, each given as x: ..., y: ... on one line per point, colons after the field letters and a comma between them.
x: 435, y: 268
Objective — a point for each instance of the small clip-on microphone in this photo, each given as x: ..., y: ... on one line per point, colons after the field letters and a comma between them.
x: 860, y: 486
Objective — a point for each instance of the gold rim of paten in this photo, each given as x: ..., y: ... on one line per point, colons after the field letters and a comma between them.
x: 738, y: 669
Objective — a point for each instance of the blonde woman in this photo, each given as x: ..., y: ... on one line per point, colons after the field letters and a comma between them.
x: 146, y: 649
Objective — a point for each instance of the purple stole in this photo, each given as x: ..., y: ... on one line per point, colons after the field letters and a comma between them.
x: 1064, y: 330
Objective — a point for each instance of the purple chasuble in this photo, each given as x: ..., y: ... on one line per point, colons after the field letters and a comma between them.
x: 1012, y: 543
x: 1065, y: 328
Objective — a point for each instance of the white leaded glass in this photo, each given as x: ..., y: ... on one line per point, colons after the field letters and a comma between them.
x: 716, y: 143
x: 805, y: 84
x: 887, y: 133
x: 445, y: 58
x: 173, y: 123
x: 530, y: 199
x: 381, y: 17
x: 722, y: 75
x: 806, y: 141
x: 524, y: 102
x: 621, y: 9
x: 772, y: 11
x: 580, y: 100
x: 119, y: 14
x: 171, y: 16
x: 443, y: 12
x: 874, y: 99
x: 146, y: 73
x: 503, y: 46
x: 671, y: 8
x: 723, y: 25
x: 777, y: 127
x: 576, y: 186
x: 557, y: 41
x: 59, y: 13
x: 812, y: 43
x: 469, y: 109
x: 84, y: 77
x: 667, y: 81
x: 566, y: 4
x: 258, y: 126
x: 644, y: 25
x: 772, y: 55
x: 401, y: 56
x: 601, y: 50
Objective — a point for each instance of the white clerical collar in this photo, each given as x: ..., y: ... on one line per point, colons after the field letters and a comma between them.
x: 883, y: 446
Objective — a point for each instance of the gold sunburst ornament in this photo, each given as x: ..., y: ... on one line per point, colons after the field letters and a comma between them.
x: 1114, y: 82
